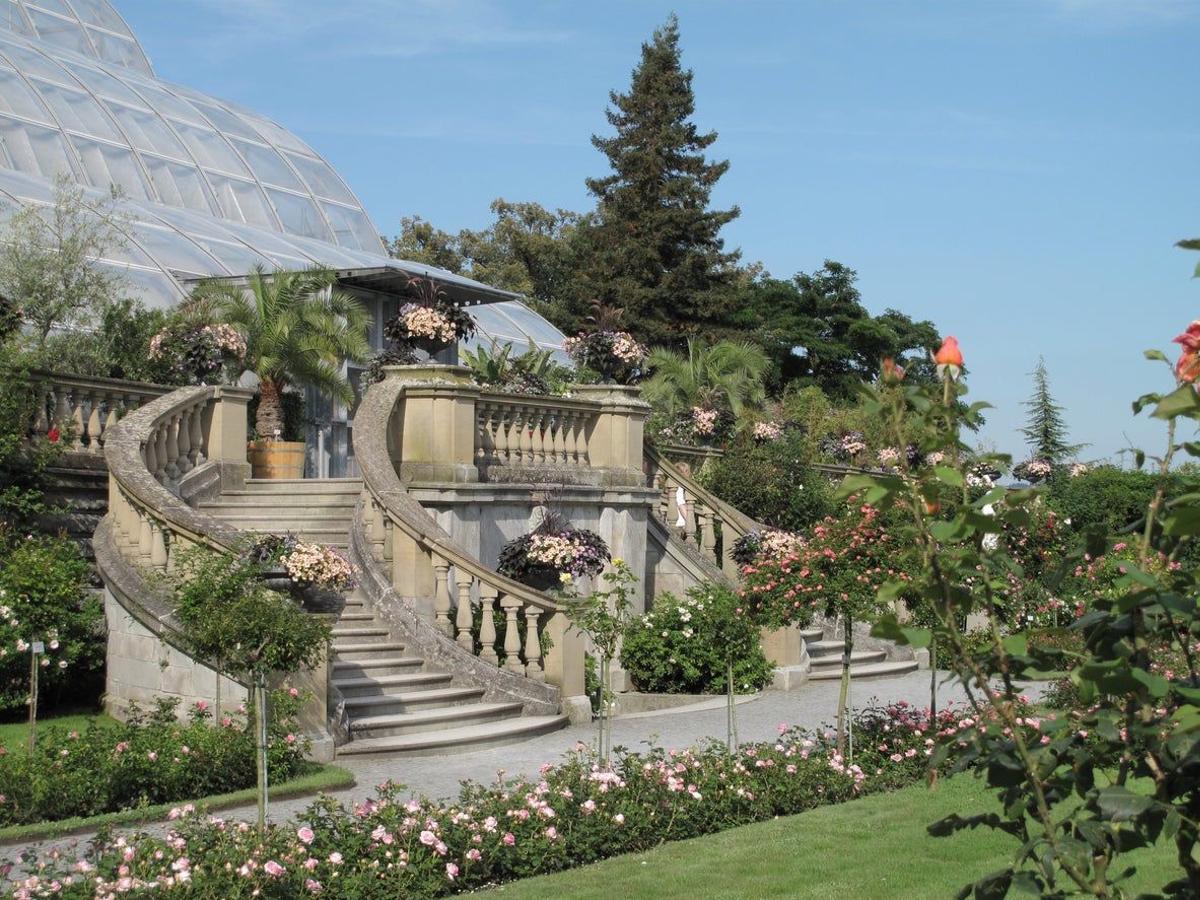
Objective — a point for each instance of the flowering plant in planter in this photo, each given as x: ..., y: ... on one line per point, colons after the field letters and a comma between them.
x: 1033, y: 470
x: 430, y: 321
x: 770, y: 543
x: 844, y: 447
x: 766, y: 432
x: 614, y: 355
x: 307, y: 564
x: 198, y: 352
x: 541, y: 557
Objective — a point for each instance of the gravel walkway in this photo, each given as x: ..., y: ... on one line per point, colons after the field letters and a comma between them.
x: 813, y: 706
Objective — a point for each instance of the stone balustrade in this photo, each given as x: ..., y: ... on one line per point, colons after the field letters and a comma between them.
x: 84, y: 410
x: 462, y: 600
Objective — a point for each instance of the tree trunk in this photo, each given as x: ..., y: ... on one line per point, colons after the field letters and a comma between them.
x: 260, y: 745
x: 269, y: 421
x: 843, y: 695
x: 933, y: 683
x: 731, y: 736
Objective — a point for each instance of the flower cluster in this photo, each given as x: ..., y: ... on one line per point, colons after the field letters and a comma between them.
x: 844, y: 447
x: 1077, y: 469
x: 838, y: 569
x: 318, y: 566
x: 570, y: 814
x: 1033, y: 470
x: 770, y: 543
x: 765, y: 432
x: 889, y: 457
x: 540, y: 557
x: 704, y: 421
x: 423, y: 322
x: 614, y: 355
x: 198, y: 352
x: 695, y: 426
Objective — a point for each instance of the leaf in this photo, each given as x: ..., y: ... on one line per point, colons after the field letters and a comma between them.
x: 1017, y: 644
x: 1180, y: 402
x: 949, y: 476
x: 1121, y: 803
x: 1155, y: 355
x: 1145, y: 400
x: 994, y: 886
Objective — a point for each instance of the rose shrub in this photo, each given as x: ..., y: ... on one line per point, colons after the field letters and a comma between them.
x: 152, y: 758
x: 683, y: 646
x: 573, y: 814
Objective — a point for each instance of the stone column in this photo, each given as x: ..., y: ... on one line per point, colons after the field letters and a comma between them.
x: 227, y: 431
x: 615, y: 440
x: 435, y: 432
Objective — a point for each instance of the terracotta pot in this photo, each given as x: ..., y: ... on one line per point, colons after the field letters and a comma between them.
x: 276, y: 459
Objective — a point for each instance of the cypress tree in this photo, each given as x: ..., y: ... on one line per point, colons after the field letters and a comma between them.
x: 658, y: 251
x: 1045, y: 431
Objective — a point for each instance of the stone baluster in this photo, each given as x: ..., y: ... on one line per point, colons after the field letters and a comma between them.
x: 145, y: 539
x: 158, y: 547
x: 488, y: 595
x: 41, y: 421
x: 533, y: 644
x: 708, y: 534
x: 161, y: 459
x: 376, y: 533
x: 464, y: 619
x: 196, y: 449
x: 171, y: 430
x: 183, y: 438
x: 537, y: 435
x: 441, y: 596
x: 585, y: 457
x: 512, y: 635
x: 78, y: 420
x: 150, y: 454
x: 95, y: 422
x: 524, y: 445
x: 559, y: 440
x: 111, y: 418
x: 62, y: 409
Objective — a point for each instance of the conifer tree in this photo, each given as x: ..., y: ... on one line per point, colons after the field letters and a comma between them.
x: 658, y: 251
x: 1045, y: 431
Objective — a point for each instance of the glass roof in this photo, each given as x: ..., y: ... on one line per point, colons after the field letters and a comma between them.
x: 206, y: 187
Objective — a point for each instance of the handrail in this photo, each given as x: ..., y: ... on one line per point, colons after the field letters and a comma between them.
x: 86, y: 408
x: 421, y: 553
x: 738, y: 521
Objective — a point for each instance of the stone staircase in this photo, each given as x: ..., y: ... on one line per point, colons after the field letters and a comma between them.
x: 825, y: 654
x: 394, y: 703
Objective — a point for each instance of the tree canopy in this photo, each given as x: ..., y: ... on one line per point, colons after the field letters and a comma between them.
x: 1045, y: 431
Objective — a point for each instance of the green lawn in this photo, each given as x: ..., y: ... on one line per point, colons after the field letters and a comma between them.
x: 16, y: 734
x: 872, y: 848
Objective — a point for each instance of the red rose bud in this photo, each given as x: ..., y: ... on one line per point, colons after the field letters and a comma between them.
x: 53, y: 434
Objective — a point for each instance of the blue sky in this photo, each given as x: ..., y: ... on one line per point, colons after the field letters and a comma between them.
x: 1016, y: 171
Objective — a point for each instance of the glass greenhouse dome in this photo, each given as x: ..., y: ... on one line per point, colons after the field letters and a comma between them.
x: 208, y: 188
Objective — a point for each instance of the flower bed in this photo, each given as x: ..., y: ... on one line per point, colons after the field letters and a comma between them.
x: 152, y: 758
x: 573, y: 814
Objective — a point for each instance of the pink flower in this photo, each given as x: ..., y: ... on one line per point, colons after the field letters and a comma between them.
x: 312, y: 885
x: 509, y: 839
x: 552, y: 833
x: 451, y: 871
x: 619, y: 818
x: 474, y: 855
x: 311, y: 863
x: 273, y: 868
x: 335, y: 858
x: 428, y: 838
x: 306, y: 835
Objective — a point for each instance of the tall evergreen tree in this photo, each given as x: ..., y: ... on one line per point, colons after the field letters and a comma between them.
x: 657, y: 246
x: 1045, y: 431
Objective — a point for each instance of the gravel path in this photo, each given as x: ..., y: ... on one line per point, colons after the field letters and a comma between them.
x: 813, y: 706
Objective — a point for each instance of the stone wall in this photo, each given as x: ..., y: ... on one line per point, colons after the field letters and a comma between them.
x: 144, y: 668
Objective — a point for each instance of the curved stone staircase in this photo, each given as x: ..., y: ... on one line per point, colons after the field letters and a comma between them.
x: 394, y: 700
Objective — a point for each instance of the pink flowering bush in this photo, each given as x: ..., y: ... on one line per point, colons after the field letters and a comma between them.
x: 571, y: 814
x: 151, y: 758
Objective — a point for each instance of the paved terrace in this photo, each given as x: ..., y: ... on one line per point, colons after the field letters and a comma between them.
x: 758, y: 719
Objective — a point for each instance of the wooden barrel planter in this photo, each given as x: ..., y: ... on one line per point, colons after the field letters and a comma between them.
x: 276, y: 459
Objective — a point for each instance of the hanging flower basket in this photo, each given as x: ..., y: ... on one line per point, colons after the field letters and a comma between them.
x: 542, y: 557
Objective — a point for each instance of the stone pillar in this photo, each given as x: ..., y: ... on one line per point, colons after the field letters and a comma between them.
x: 227, y: 431
x: 564, y: 668
x: 435, y: 432
x: 616, y: 437
x: 314, y: 714
x: 786, y: 649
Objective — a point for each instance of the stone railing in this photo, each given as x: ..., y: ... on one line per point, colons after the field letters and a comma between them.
x: 396, y: 443
x: 517, y: 437
x: 84, y: 410
x: 703, y: 520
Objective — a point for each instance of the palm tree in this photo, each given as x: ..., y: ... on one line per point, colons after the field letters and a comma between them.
x: 299, y: 330
x: 725, y: 375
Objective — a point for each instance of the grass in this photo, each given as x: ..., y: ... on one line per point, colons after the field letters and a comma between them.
x: 318, y: 778
x: 876, y: 847
x: 16, y: 734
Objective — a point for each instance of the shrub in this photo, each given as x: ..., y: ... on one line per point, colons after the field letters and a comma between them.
x: 44, y: 597
x: 771, y: 481
x: 1103, y: 497
x: 24, y: 457
x: 683, y: 646
x: 150, y: 759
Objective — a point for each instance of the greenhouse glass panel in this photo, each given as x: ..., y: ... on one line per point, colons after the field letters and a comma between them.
x: 107, y: 165
x: 116, y: 50
x: 273, y: 134
x: 60, y: 32
x: 237, y: 258
x: 211, y: 149
x: 97, y: 12
x: 18, y: 98
x: 321, y: 179
x: 242, y: 201
x: 268, y: 166
x: 299, y: 215
x: 147, y: 131
x: 347, y: 222
x: 178, y: 184
x: 57, y: 6
x: 225, y: 121
x: 156, y: 289
x: 104, y: 84
x: 30, y: 62
x: 175, y: 252
x: 12, y: 18
x: 165, y: 102
x: 78, y: 111
x: 33, y: 149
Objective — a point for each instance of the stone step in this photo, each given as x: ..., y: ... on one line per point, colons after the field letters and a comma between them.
x: 812, y: 634
x: 871, y: 670
x: 355, y: 651
x: 236, y: 500
x: 834, y: 660
x: 824, y: 647
x: 462, y: 739
x: 379, y: 685
x: 356, y: 616
x: 411, y: 701
x: 376, y: 666
x: 304, y: 485
x: 434, y: 719
x: 359, y: 632
x: 265, y: 520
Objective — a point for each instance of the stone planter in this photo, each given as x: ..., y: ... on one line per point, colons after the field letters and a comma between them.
x: 786, y: 650
x: 276, y: 459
